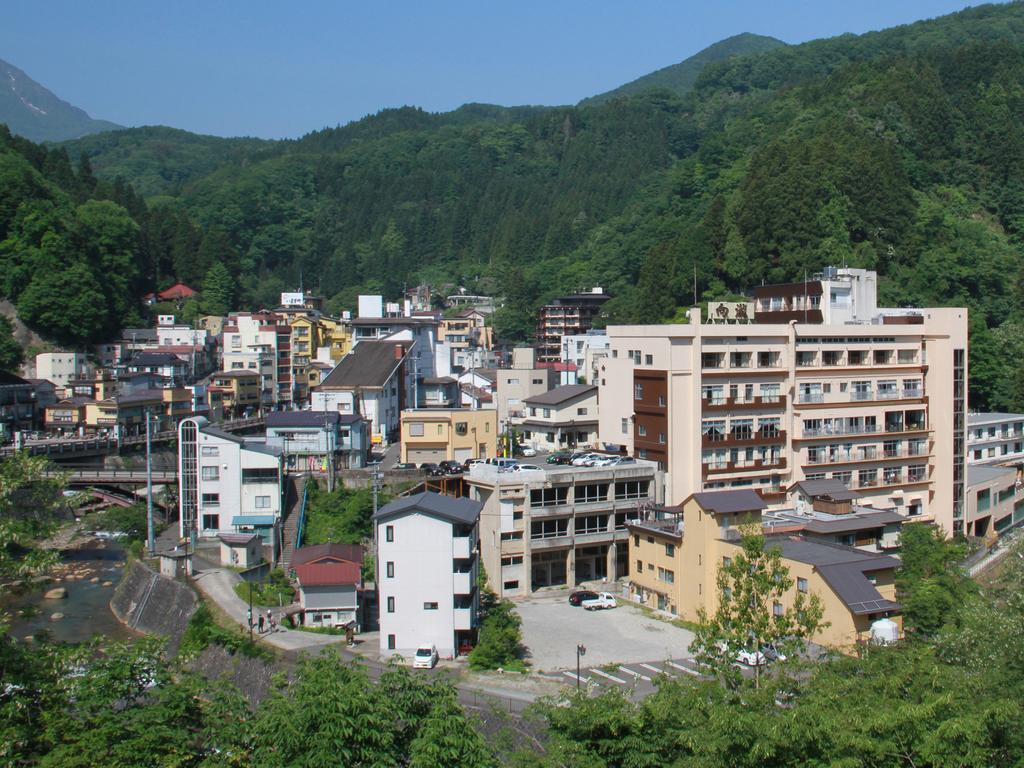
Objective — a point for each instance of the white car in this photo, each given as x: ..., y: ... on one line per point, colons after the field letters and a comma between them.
x: 425, y: 658
x: 528, y: 451
x: 603, y: 601
x: 582, y: 461
x: 604, y: 461
x: 751, y: 658
x: 524, y: 467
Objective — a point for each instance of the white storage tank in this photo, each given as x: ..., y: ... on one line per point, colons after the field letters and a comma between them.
x: 885, y: 631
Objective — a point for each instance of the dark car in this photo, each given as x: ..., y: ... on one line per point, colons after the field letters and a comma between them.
x: 558, y: 458
x: 430, y: 468
x: 405, y: 465
x: 580, y: 595
x: 450, y: 467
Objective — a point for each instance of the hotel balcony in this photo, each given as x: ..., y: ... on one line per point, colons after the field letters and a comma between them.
x: 463, y: 618
x: 715, y: 439
x: 463, y: 583
x: 760, y: 402
x: 743, y: 465
x: 462, y: 547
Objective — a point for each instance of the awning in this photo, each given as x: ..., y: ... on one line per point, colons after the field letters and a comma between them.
x: 253, y: 520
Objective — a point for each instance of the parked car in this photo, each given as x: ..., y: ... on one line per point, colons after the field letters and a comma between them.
x: 603, y: 461
x: 772, y: 653
x: 603, y: 601
x: 523, y: 467
x: 425, y: 658
x: 581, y: 460
x: 751, y: 658
x: 525, y: 450
x: 469, y: 463
x: 558, y: 458
x: 618, y: 461
x: 405, y: 465
x: 431, y: 469
x: 580, y: 595
x: 450, y: 467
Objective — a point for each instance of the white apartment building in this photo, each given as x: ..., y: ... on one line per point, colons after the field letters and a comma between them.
x: 584, y: 351
x: 995, y: 438
x: 172, y: 334
x: 62, y: 367
x: 523, y: 380
x: 558, y: 525
x: 427, y: 568
x: 228, y: 484
x: 877, y: 403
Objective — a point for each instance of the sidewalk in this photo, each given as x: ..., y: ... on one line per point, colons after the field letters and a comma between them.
x: 218, y: 585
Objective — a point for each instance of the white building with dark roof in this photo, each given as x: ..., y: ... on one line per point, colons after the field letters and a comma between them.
x: 427, y: 567
x: 561, y: 418
x: 995, y: 438
x: 228, y: 484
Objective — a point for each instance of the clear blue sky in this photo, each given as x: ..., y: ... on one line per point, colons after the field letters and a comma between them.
x: 278, y: 69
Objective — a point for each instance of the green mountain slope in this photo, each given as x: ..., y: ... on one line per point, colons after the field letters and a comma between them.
x: 900, y: 150
x: 680, y: 78
x: 30, y: 110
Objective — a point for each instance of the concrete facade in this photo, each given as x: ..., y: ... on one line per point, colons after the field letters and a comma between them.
x: 439, y: 434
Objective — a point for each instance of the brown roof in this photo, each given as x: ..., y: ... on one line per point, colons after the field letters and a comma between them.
x: 369, y: 364
x: 832, y: 489
x: 562, y: 394
x: 327, y: 574
x: 352, y: 553
x: 237, y: 538
x: 724, y: 502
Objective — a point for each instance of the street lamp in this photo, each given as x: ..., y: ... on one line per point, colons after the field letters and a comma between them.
x: 250, y: 611
x: 581, y: 650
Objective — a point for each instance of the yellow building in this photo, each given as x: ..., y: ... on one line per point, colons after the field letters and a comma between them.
x: 674, y: 560
x: 439, y: 434
x: 336, y: 334
x: 236, y: 392
x: 467, y: 328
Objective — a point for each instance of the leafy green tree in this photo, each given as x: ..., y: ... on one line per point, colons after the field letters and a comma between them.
x: 66, y: 304
x: 745, y: 618
x: 931, y: 585
x: 218, y: 293
x: 31, y: 499
x: 11, y: 353
x: 447, y: 738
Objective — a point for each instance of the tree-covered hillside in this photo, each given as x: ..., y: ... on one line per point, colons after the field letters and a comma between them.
x: 900, y: 150
x: 680, y: 78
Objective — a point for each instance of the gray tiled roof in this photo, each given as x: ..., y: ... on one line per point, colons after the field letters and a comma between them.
x: 834, y: 489
x: 992, y: 418
x: 369, y: 364
x: 981, y: 473
x: 724, y: 502
x: 302, y: 418
x: 562, y: 394
x: 452, y: 508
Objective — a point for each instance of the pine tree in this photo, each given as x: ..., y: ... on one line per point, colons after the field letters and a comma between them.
x: 218, y: 291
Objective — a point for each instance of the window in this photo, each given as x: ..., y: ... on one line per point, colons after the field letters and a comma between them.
x: 581, y: 411
x: 538, y: 381
x: 669, y: 577
x: 638, y: 391
x: 670, y: 550
x: 776, y: 608
x: 726, y: 562
x: 461, y: 428
x: 389, y: 533
x: 641, y: 430
x: 801, y: 584
x: 625, y: 426
x: 211, y: 500
x: 512, y: 560
x: 513, y: 382
x: 549, y: 497
x: 440, y: 429
x: 591, y: 524
x: 510, y: 585
x: 639, y: 566
x: 391, y: 569
x: 391, y: 642
x: 586, y: 494
x: 211, y: 473
x: 648, y: 359
x: 210, y: 450
x: 630, y: 489
x: 391, y: 606
x: 430, y: 606
x: 984, y: 500
x: 636, y: 540
x: 262, y: 502
x: 548, y: 529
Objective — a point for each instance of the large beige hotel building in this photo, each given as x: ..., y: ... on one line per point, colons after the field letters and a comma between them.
x: 813, y: 381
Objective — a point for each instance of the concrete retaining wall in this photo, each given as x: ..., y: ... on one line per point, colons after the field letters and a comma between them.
x: 151, y: 603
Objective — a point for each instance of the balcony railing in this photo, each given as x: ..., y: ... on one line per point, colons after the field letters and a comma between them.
x: 745, y: 438
x: 728, y: 403
x: 854, y: 429
x: 810, y: 397
x: 743, y: 465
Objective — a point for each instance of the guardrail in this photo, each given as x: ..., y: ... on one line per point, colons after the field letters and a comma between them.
x: 131, y: 476
x: 302, y: 515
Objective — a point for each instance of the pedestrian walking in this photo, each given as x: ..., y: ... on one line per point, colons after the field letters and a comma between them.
x: 261, y: 623
x: 270, y: 619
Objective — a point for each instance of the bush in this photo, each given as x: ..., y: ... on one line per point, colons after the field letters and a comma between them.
x: 273, y: 592
x: 202, y: 631
x: 500, y: 641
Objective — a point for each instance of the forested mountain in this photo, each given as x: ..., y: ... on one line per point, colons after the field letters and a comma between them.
x: 30, y: 110
x: 900, y: 150
x: 680, y: 78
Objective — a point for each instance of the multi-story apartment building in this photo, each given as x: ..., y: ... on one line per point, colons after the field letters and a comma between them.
x: 61, y: 367
x: 995, y: 500
x: 558, y: 525
x: 228, y: 484
x: 566, y: 316
x: 427, y: 567
x: 261, y: 342
x: 453, y: 434
x: 523, y: 380
x: 235, y: 394
x: 995, y: 438
x: 675, y: 558
x: 17, y: 404
x: 877, y: 403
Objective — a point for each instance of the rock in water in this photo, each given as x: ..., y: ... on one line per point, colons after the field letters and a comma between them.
x: 107, y: 584
x: 95, y: 580
x: 56, y: 616
x: 57, y: 593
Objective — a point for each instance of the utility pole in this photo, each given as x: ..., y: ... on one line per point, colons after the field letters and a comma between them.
x: 150, y: 531
x: 250, y: 611
x: 581, y: 650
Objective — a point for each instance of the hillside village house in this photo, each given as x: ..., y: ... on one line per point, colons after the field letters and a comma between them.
x: 329, y: 580
x: 562, y: 418
x: 675, y: 557
x: 427, y: 568
x: 439, y: 434
x: 373, y: 382
x: 318, y: 441
x: 523, y: 380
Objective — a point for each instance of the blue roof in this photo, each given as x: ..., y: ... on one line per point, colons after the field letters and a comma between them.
x: 253, y: 520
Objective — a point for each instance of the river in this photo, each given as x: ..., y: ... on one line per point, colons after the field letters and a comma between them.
x: 86, y: 609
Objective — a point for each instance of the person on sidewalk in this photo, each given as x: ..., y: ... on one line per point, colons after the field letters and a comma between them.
x: 261, y: 623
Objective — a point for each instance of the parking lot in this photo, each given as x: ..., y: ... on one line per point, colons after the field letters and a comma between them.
x: 624, y: 635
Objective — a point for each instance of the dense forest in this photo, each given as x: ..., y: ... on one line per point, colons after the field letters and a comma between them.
x: 899, y: 150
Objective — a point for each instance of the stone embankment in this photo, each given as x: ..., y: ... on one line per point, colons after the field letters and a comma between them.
x: 149, y: 603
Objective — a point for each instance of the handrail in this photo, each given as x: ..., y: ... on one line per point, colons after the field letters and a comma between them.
x: 302, y: 515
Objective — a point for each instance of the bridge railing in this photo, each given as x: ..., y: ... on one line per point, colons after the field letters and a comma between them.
x: 302, y: 515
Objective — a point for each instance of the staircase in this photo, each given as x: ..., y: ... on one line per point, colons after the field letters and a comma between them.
x: 293, y: 507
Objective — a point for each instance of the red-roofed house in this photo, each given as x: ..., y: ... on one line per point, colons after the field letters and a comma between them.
x: 329, y: 579
x: 177, y: 292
